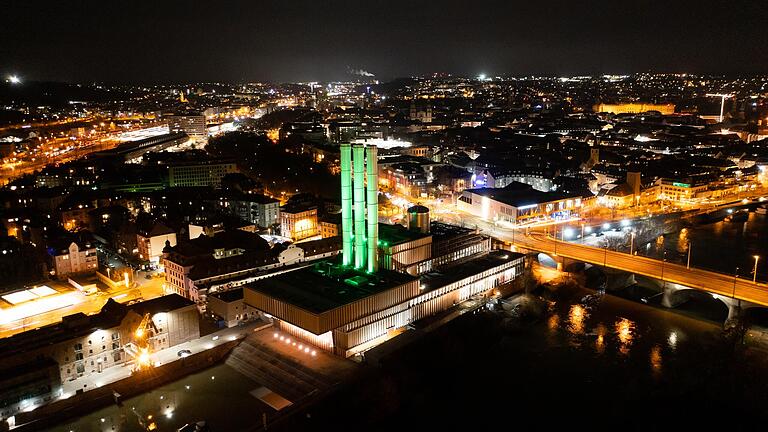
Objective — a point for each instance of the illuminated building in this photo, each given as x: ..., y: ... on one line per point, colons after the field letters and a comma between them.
x: 73, y: 256
x: 255, y: 208
x: 388, y: 277
x: 191, y: 124
x: 421, y: 111
x: 36, y: 363
x: 519, y: 203
x: 330, y: 225
x: 152, y: 240
x: 678, y: 190
x: 298, y: 221
x: 541, y: 180
x: 634, y: 108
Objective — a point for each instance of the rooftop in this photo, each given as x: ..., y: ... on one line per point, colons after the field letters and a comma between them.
x: 80, y: 324
x: 440, y: 230
x: 230, y: 295
x: 396, y: 234
x: 438, y: 279
x: 518, y: 196
x: 327, y: 285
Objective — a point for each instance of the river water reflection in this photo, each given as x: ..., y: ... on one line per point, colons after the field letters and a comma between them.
x: 722, y: 246
x: 219, y: 395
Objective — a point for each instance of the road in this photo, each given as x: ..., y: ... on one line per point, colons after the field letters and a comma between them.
x: 715, y: 283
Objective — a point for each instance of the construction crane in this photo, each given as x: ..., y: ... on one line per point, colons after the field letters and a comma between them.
x: 141, y: 336
x: 722, y: 97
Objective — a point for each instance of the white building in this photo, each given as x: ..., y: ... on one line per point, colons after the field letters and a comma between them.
x: 152, y: 241
x: 77, y: 257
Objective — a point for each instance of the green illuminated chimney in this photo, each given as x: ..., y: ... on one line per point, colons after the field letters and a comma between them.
x: 358, y: 154
x: 346, y: 203
x: 372, y: 198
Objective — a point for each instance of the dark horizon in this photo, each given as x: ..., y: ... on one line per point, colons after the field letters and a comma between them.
x: 173, y: 42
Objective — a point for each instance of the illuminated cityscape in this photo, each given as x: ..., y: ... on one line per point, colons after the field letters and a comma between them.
x: 316, y: 216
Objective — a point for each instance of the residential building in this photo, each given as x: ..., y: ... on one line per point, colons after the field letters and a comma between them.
x: 152, y: 239
x: 73, y: 255
x: 36, y: 363
x: 298, y: 221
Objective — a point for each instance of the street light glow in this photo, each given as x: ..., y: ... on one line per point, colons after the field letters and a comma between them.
x: 14, y: 79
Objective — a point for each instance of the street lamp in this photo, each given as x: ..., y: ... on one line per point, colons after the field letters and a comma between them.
x: 663, y: 260
x: 735, y: 276
x: 754, y: 272
x: 631, y: 242
x: 688, y: 266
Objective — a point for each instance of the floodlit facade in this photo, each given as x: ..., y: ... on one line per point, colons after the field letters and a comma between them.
x: 36, y: 363
x: 298, y: 222
x: 518, y: 203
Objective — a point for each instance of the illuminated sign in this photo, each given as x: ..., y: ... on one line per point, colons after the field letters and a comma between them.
x: 684, y: 185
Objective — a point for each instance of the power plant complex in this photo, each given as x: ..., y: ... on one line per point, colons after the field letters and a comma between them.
x: 389, y: 276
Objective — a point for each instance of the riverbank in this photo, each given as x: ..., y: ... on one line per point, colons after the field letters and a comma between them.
x: 80, y: 404
x: 587, y: 361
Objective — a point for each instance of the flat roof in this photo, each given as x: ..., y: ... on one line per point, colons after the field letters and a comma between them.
x: 327, y: 285
x: 441, y: 230
x: 518, y: 197
x: 439, y: 279
x: 396, y: 234
x: 229, y: 296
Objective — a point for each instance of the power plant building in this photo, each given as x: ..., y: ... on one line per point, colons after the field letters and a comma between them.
x: 388, y: 277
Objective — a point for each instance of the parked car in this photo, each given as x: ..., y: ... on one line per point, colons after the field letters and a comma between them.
x: 184, y: 353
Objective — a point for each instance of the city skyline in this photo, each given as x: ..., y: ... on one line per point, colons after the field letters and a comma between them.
x: 303, y: 41
x: 383, y: 215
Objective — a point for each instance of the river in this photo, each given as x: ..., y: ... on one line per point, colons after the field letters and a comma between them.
x: 721, y: 246
x: 219, y: 395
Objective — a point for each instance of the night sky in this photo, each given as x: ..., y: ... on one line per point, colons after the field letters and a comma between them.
x: 301, y: 40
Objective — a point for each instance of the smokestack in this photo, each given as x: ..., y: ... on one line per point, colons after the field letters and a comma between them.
x: 346, y: 203
x: 372, y: 192
x: 358, y: 159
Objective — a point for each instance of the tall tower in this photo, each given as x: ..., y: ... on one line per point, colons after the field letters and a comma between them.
x: 372, y: 197
x: 346, y: 203
x: 359, y: 239
x: 358, y: 153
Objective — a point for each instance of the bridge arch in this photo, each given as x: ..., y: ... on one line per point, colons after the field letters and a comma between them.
x: 547, y: 260
x: 756, y: 315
